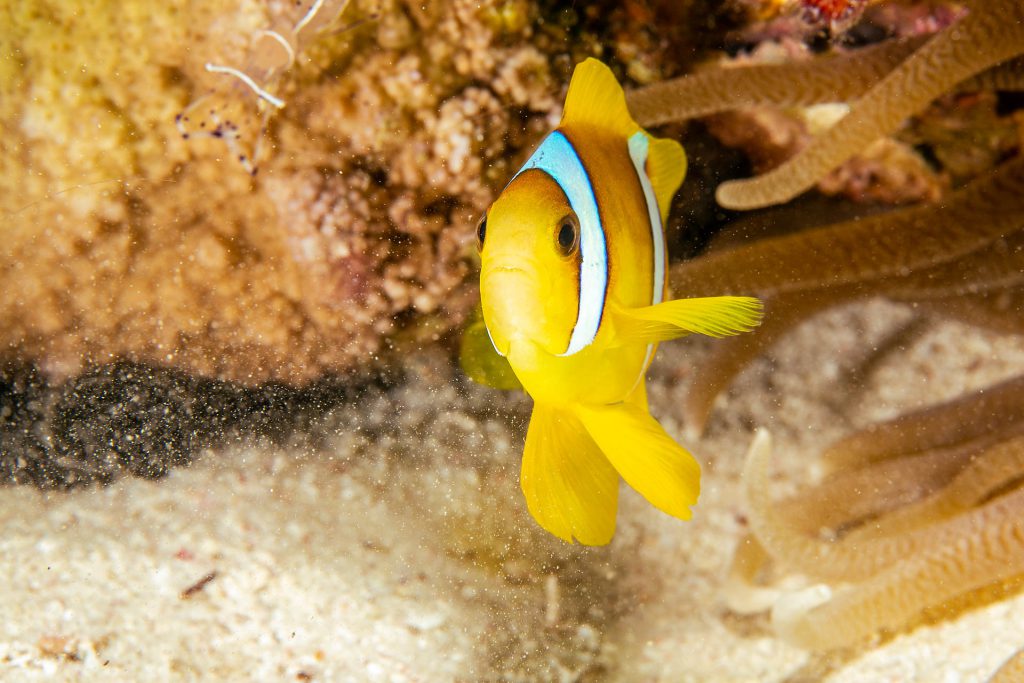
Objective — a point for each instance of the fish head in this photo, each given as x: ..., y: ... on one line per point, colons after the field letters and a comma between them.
x: 530, y: 265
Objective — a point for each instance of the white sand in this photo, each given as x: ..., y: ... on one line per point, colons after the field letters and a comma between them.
x: 401, y: 550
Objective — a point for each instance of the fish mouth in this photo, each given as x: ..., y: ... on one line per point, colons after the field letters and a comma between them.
x: 491, y: 270
x: 503, y: 289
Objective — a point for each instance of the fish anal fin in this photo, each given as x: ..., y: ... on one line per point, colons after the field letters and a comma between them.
x: 570, y: 487
x: 719, y: 316
x: 596, y: 99
x: 645, y: 456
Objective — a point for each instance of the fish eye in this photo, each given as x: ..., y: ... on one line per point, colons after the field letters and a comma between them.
x: 568, y: 235
x: 481, y: 232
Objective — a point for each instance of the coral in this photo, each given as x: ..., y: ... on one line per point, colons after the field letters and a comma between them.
x: 965, y: 535
x: 125, y: 240
x: 187, y: 262
x: 833, y: 12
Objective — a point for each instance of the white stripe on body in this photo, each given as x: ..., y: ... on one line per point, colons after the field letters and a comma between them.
x: 638, y: 146
x: 557, y: 157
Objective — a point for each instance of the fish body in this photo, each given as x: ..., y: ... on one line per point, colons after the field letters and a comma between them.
x: 573, y: 293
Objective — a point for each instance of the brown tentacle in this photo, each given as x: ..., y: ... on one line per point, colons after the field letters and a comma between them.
x: 995, y: 468
x: 1012, y: 670
x: 991, y: 413
x: 741, y: 591
x: 999, y: 311
x: 998, y: 265
x: 883, y: 245
x: 1006, y: 76
x: 831, y: 78
x: 834, y: 560
x: 982, y: 547
x: 853, y: 496
x: 990, y: 33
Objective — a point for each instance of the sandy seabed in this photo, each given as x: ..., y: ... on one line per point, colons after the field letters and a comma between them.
x: 392, y: 542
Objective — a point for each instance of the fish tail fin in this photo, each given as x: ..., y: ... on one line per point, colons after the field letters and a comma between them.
x: 570, y: 487
x: 644, y: 454
x: 717, y: 316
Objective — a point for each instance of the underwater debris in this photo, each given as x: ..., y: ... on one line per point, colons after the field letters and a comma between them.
x: 835, y: 14
x: 237, y: 112
x: 198, y: 586
x: 965, y: 534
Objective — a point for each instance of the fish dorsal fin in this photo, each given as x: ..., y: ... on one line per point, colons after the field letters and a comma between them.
x: 666, y: 167
x: 596, y: 99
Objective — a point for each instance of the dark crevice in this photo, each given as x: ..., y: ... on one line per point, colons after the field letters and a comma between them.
x: 129, y: 418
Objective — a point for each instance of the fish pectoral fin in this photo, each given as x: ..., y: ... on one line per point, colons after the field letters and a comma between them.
x: 666, y: 167
x: 717, y: 316
x: 570, y: 487
x: 481, y: 362
x: 645, y: 455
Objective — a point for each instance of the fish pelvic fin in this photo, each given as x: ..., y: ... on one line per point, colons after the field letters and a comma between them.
x: 638, y: 397
x: 666, y: 168
x: 596, y: 99
x: 643, y: 453
x: 480, y: 361
x: 717, y: 316
x: 570, y: 487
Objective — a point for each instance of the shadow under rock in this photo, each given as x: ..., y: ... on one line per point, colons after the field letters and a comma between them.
x: 131, y: 418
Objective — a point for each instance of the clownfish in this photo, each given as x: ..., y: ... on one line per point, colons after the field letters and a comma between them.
x: 574, y: 297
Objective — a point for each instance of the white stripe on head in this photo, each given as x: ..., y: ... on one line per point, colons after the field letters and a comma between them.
x: 638, y: 146
x: 496, y: 349
x: 557, y: 157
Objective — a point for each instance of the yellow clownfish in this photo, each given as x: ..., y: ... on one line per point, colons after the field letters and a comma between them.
x: 573, y: 293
